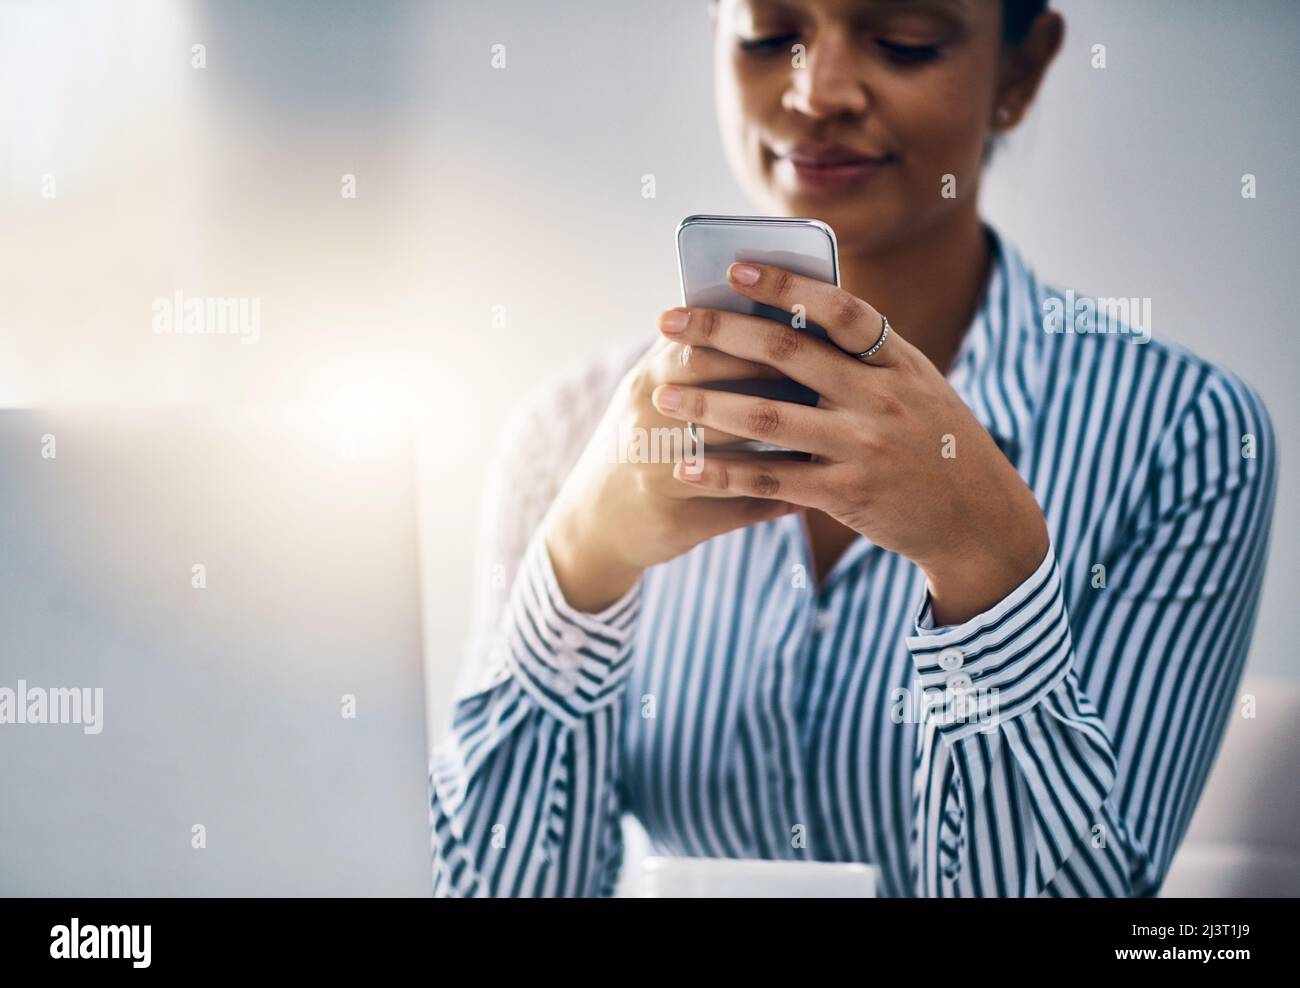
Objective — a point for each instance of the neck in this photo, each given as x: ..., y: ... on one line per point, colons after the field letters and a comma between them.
x: 929, y: 286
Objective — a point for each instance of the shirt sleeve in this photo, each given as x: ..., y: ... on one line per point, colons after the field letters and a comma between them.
x: 524, y: 787
x: 1021, y: 788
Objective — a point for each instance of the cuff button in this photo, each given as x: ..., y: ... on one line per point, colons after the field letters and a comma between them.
x: 951, y: 659
x: 960, y: 682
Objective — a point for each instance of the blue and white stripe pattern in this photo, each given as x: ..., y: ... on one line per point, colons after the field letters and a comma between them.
x: 739, y: 710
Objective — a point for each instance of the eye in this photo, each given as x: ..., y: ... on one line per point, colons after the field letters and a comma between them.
x: 908, y: 54
x: 766, y: 46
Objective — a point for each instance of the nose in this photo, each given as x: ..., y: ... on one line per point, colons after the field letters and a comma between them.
x: 827, y: 85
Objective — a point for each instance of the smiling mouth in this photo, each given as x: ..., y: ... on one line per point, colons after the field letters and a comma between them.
x: 834, y: 157
x: 829, y: 168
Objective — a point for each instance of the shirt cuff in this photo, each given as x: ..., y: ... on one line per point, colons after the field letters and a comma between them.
x: 992, y: 668
x: 571, y: 663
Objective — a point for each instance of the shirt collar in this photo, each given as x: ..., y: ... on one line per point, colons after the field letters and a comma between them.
x: 997, y: 368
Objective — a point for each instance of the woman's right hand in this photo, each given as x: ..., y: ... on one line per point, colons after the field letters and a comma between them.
x: 613, y: 518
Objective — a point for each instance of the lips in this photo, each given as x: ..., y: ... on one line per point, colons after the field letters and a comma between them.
x: 828, y: 168
x: 832, y: 156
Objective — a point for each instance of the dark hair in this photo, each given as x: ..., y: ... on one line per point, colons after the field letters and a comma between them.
x: 1018, y: 16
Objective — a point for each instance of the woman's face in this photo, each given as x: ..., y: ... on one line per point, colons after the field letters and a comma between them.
x: 859, y: 126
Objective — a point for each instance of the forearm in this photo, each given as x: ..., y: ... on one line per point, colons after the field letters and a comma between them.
x: 589, y: 579
x: 983, y: 566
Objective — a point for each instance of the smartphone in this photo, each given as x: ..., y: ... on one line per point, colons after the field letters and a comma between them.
x: 708, y: 245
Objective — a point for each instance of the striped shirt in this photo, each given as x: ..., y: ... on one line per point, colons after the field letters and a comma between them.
x: 1054, y: 745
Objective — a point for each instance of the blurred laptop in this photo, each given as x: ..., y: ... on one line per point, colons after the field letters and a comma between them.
x: 210, y: 655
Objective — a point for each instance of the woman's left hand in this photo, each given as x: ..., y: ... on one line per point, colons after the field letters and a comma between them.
x: 898, y: 457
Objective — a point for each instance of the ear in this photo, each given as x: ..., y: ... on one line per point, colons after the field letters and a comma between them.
x: 1024, y: 66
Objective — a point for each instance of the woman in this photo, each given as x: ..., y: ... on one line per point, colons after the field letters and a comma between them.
x: 987, y: 638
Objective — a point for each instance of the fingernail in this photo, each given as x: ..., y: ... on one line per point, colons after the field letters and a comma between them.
x: 690, y: 471
x: 674, y: 321
x: 744, y: 274
x: 669, y: 398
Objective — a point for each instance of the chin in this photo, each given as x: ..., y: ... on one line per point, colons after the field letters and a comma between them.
x: 861, y: 230
x: 864, y: 220
x: 859, y: 227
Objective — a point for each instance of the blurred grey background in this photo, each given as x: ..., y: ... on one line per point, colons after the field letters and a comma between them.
x: 521, y: 187
x: 260, y: 732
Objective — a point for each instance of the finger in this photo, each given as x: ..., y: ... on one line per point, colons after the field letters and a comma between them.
x: 704, y: 437
x: 686, y: 364
x: 692, y: 364
x: 667, y: 476
x: 717, y: 516
x: 784, y: 423
x: 793, y: 481
x: 666, y: 361
x: 852, y: 324
x: 683, y: 363
x: 710, y: 439
x: 797, y: 353
x: 654, y: 442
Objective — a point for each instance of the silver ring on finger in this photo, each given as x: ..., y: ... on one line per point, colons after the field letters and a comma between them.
x: 875, y: 348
